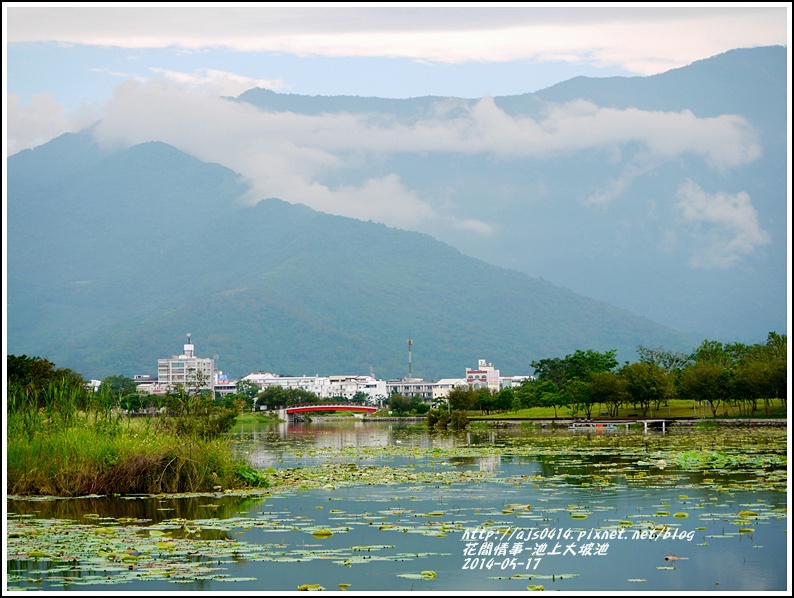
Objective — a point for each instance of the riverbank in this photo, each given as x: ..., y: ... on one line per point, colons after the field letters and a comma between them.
x: 566, y: 422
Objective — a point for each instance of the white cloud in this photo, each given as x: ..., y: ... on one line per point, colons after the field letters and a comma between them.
x: 218, y: 82
x: 282, y: 155
x: 288, y: 155
x: 635, y: 38
x: 41, y: 120
x: 727, y: 225
x: 119, y: 74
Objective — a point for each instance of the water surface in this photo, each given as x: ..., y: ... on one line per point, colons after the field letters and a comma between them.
x: 390, y: 507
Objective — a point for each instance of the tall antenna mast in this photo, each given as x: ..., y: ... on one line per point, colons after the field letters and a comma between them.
x: 410, y: 342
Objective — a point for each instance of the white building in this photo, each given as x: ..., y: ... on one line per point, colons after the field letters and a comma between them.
x: 485, y: 376
x: 442, y: 388
x: 325, y: 387
x: 350, y: 386
x: 182, y: 370
x: 224, y: 386
x: 411, y: 387
x: 316, y: 384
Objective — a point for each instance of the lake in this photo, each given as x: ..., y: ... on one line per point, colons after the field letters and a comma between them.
x: 386, y: 506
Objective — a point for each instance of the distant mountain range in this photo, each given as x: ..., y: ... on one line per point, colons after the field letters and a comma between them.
x: 115, y: 255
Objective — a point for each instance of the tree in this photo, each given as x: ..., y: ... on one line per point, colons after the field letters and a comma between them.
x: 118, y: 385
x: 399, y: 404
x: 646, y: 384
x: 577, y: 396
x: 550, y: 370
x: 192, y: 411
x: 462, y: 398
x: 609, y: 389
x: 506, y: 400
x: 583, y: 363
x: 542, y: 393
x: 708, y: 382
x: 485, y: 400
x: 418, y: 406
x: 34, y: 383
x: 550, y: 395
x: 37, y: 373
x: 438, y: 419
x: 524, y: 393
x: 667, y: 360
x: 360, y: 398
x: 247, y: 388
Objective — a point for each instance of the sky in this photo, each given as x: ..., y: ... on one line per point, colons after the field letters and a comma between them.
x: 150, y: 72
x: 64, y: 65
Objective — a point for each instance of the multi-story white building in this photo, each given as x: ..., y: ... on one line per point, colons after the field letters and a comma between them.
x: 442, y: 388
x: 224, y: 386
x: 350, y: 386
x: 316, y: 384
x: 411, y: 387
x: 485, y: 376
x: 183, y: 370
x: 325, y: 387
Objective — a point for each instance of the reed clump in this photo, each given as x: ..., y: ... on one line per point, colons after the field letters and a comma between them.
x: 64, y: 440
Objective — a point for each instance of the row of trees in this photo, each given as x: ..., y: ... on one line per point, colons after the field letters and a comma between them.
x: 713, y: 374
x: 41, y: 396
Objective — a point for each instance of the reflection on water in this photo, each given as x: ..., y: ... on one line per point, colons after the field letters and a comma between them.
x: 144, y: 509
x: 686, y: 510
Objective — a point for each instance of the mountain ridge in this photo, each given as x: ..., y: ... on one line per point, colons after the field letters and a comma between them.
x: 114, y: 254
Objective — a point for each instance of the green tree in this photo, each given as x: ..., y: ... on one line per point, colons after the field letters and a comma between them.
x: 506, y: 400
x: 583, y: 363
x: 706, y: 382
x: 247, y: 388
x: 550, y: 370
x: 666, y: 360
x: 438, y: 419
x: 542, y: 393
x: 360, y: 398
x: 459, y: 420
x: 646, y: 384
x: 462, y: 398
x: 36, y: 373
x: 118, y: 385
x: 577, y: 395
x: 608, y: 389
x: 399, y: 404
x: 525, y: 393
x: 485, y: 400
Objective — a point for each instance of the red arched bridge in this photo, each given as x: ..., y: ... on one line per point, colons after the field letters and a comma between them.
x: 288, y: 412
x: 305, y: 408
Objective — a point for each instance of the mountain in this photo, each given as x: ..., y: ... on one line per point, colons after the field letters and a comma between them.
x: 665, y: 195
x: 115, y: 256
x: 622, y: 212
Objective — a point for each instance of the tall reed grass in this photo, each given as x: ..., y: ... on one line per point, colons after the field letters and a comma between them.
x: 64, y: 441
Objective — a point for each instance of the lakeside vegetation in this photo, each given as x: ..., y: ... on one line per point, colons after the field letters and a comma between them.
x: 725, y: 380
x: 65, y: 440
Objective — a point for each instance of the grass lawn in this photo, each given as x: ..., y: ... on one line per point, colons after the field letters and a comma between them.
x: 675, y: 409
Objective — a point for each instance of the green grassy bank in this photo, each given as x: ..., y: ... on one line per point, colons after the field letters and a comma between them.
x: 130, y: 456
x: 675, y: 409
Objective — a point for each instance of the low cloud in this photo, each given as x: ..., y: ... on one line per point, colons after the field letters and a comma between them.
x: 726, y: 225
x: 40, y: 120
x: 218, y: 82
x: 291, y: 156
